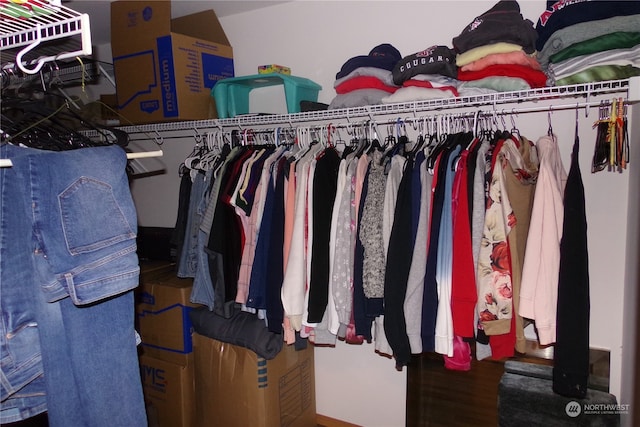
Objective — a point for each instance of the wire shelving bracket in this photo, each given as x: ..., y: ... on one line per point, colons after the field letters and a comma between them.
x: 27, y: 26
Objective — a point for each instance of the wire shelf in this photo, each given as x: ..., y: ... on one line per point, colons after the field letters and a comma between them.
x: 515, y: 100
x: 27, y: 27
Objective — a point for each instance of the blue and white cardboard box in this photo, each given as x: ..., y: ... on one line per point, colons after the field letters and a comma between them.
x: 165, y: 68
x: 162, y: 317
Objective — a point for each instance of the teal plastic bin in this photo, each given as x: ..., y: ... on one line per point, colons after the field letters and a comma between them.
x: 232, y: 94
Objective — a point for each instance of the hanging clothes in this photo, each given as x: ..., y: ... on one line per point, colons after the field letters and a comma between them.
x: 415, y: 282
x: 255, y: 255
x: 325, y: 333
x: 540, y: 269
x: 324, y: 193
x: 275, y: 264
x: 243, y: 200
x: 342, y: 273
x: 444, y: 317
x: 203, y: 291
x: 495, y: 308
x: 399, y: 254
x: 226, y: 240
x: 464, y: 293
x: 415, y: 250
x: 359, y: 329
x: 571, y: 352
x: 521, y: 175
x: 430, y: 293
x: 294, y: 285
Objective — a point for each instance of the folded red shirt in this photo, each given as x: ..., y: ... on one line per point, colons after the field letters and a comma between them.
x: 535, y: 78
x: 363, y: 82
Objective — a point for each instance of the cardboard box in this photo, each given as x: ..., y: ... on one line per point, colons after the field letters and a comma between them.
x: 168, y: 392
x: 162, y: 315
x: 165, y: 69
x: 236, y: 387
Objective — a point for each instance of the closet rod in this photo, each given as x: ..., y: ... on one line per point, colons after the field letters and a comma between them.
x: 627, y: 88
x: 486, y: 112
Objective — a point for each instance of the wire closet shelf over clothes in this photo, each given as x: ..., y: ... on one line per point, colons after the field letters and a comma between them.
x: 43, y: 32
x: 24, y: 31
x: 579, y: 96
x: 391, y: 227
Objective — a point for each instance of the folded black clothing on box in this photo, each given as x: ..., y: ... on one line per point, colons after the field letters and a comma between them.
x: 242, y: 329
x: 526, y: 397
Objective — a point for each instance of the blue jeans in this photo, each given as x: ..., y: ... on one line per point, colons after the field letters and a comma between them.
x: 68, y: 267
x: 188, y: 260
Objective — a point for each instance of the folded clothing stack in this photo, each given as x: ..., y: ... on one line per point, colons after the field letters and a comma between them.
x: 366, y: 79
x: 496, y: 52
x: 427, y: 74
x: 589, y: 41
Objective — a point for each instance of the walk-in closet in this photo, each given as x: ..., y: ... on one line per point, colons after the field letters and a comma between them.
x: 381, y: 348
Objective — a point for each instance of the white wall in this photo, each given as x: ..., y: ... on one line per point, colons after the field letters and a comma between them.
x: 631, y: 317
x: 315, y: 38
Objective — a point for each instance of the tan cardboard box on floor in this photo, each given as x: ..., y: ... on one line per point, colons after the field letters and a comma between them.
x: 165, y: 68
x: 168, y: 392
x: 236, y: 387
x: 162, y: 315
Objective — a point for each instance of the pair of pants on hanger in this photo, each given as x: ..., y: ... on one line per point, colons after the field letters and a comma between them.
x: 68, y: 267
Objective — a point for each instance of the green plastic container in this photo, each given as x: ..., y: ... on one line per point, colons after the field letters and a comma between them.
x: 232, y: 94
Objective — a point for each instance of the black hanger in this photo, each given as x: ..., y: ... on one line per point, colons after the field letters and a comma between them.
x: 34, y: 122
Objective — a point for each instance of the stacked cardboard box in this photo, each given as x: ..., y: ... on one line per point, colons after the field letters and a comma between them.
x: 166, y: 354
x: 236, y: 387
x: 165, y: 68
x: 190, y: 380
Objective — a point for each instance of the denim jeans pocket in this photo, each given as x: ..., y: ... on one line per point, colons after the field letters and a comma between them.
x: 79, y: 205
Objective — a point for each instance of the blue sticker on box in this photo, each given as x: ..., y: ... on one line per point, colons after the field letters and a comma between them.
x: 147, y: 298
x: 167, y: 77
x: 147, y: 13
x: 150, y: 106
x: 215, y: 68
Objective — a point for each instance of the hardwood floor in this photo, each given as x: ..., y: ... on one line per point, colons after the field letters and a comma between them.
x: 440, y: 397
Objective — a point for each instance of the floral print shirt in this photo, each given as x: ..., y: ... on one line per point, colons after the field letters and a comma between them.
x: 495, y: 292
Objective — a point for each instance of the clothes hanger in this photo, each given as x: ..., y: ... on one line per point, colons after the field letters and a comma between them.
x: 29, y: 109
x: 600, y: 158
x: 375, y: 141
x: 363, y: 141
x: 442, y: 141
x: 514, y: 129
x: 39, y: 127
x: 26, y: 95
